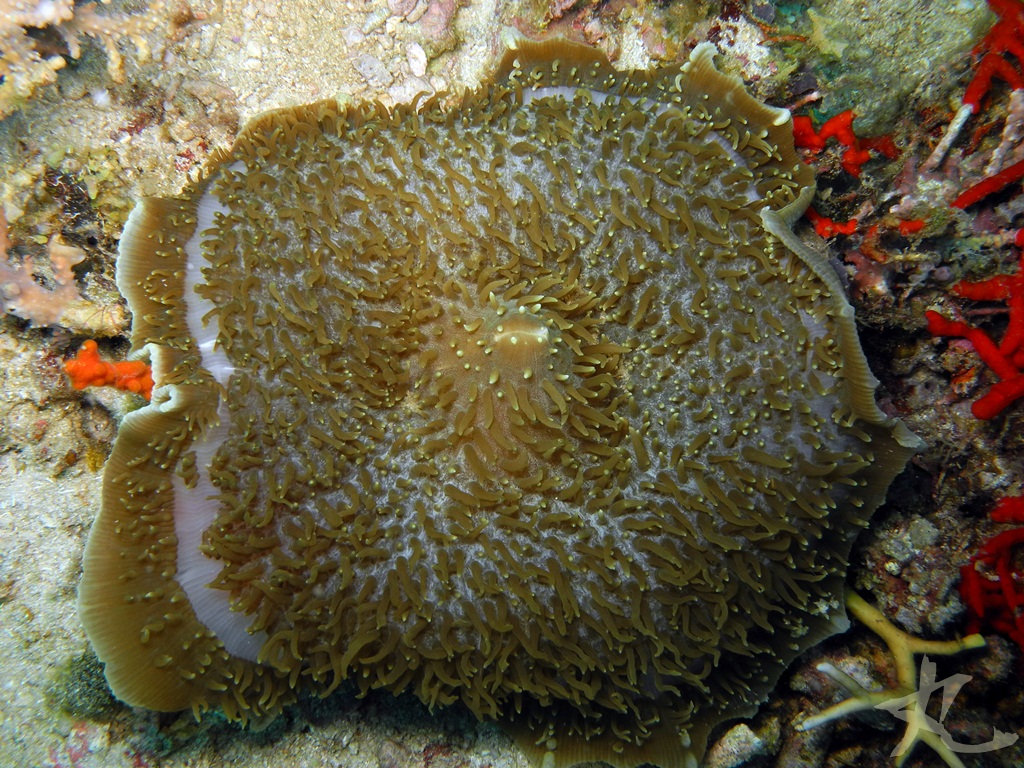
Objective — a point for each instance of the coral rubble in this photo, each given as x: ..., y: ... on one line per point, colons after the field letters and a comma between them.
x: 23, y: 68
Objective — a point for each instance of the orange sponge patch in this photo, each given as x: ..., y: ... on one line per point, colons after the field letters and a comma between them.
x: 86, y: 369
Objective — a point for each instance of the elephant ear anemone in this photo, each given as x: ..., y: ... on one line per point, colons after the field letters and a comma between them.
x: 533, y: 404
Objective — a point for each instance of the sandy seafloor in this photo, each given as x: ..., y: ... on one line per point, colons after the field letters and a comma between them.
x: 213, y: 68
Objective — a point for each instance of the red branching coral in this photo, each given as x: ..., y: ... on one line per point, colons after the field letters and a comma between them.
x: 1005, y: 38
x: 840, y: 127
x: 989, y: 185
x: 1005, y: 358
x: 857, y: 152
x: 990, y: 584
x: 86, y: 369
x: 826, y: 227
x: 908, y: 227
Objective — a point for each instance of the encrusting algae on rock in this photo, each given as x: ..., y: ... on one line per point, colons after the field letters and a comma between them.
x: 534, y: 403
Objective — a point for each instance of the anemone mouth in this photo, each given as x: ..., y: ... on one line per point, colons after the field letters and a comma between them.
x: 535, y: 404
x: 498, y: 371
x: 493, y: 348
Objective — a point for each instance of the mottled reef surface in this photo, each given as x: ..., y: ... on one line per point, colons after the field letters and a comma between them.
x: 76, y: 154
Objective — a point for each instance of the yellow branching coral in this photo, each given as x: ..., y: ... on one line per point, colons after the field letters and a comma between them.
x: 908, y: 699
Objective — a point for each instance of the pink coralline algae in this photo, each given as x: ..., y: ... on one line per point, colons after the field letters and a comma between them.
x: 57, y: 302
x: 21, y: 295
